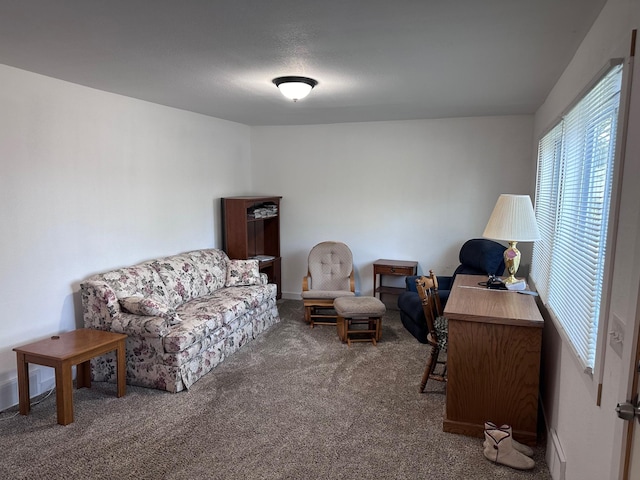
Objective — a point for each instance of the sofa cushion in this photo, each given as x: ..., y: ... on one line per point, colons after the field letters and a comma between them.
x: 181, y: 278
x: 243, y: 272
x: 204, y: 315
x: 326, y: 294
x: 152, y: 329
x: 139, y: 305
x: 212, y: 265
x: 441, y: 325
x: 141, y: 280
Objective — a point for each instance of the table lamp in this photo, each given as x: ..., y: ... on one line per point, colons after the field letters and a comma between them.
x: 513, y: 221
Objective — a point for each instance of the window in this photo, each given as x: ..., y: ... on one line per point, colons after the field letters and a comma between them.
x: 573, y: 197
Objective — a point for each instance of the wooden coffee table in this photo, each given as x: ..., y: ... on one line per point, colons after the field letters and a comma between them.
x: 61, y: 352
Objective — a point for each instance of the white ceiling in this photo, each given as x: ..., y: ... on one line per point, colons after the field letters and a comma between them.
x: 374, y: 59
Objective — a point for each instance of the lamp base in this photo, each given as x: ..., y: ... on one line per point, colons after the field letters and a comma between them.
x: 520, y: 284
x: 512, y: 262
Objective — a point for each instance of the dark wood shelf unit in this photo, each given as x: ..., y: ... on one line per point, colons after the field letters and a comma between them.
x: 246, y: 236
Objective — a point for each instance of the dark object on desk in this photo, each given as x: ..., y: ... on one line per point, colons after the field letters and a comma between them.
x: 494, y: 283
x: 478, y: 256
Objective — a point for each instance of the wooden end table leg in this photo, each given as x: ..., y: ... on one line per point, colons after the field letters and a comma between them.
x: 24, y: 398
x: 122, y: 368
x: 83, y: 374
x: 64, y: 393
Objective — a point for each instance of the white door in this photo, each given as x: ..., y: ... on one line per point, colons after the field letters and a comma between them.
x: 634, y: 467
x: 632, y: 463
x: 631, y: 466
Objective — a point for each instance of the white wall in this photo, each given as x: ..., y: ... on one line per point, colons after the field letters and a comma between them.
x: 412, y: 190
x: 591, y: 436
x: 91, y: 181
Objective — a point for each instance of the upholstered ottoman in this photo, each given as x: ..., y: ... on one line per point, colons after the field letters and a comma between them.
x: 353, y: 312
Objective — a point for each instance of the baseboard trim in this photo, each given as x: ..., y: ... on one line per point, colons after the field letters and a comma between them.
x: 41, y: 380
x: 291, y: 296
x: 554, y: 456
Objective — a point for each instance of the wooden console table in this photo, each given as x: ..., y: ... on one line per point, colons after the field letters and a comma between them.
x: 61, y: 352
x: 493, y: 359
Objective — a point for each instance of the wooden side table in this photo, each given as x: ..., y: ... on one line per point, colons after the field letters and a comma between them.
x: 400, y: 268
x: 61, y: 352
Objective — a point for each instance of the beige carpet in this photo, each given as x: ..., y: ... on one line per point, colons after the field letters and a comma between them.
x: 293, y: 404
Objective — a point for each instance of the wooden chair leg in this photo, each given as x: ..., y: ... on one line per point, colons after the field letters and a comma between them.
x: 342, y: 326
x: 432, y: 359
x: 311, y: 311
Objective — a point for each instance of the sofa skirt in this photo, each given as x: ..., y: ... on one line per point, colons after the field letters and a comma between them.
x: 178, y: 371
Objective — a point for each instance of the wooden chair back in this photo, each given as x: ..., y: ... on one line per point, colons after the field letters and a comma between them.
x: 436, y: 338
x: 428, y: 291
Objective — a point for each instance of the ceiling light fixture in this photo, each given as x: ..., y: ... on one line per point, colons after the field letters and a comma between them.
x: 295, y: 88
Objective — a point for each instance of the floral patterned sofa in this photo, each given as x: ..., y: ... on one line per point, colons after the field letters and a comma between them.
x: 183, y: 315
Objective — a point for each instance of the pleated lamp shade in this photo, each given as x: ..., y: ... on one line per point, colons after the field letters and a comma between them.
x: 512, y: 220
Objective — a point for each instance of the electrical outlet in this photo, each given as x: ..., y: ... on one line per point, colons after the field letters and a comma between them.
x: 616, y: 334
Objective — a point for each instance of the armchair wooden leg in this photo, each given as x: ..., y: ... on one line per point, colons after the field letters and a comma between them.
x: 342, y: 327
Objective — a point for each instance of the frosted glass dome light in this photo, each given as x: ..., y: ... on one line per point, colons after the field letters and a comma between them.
x: 295, y: 88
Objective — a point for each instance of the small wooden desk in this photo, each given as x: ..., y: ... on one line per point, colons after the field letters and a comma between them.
x: 61, y: 352
x: 493, y: 360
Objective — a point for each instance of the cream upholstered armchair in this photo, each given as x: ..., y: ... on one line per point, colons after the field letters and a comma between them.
x: 330, y: 276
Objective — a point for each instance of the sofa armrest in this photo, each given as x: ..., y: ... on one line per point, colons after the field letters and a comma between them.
x: 102, y: 311
x: 264, y: 278
x: 99, y: 304
x: 410, y: 283
x: 444, y: 286
x: 412, y: 315
x: 445, y: 283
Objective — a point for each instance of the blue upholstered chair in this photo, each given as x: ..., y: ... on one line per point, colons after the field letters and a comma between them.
x: 478, y: 256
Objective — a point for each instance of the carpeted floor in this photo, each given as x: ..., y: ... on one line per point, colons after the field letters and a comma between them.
x: 293, y: 404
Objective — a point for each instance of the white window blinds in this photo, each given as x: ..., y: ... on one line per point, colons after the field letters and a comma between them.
x: 573, y: 193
